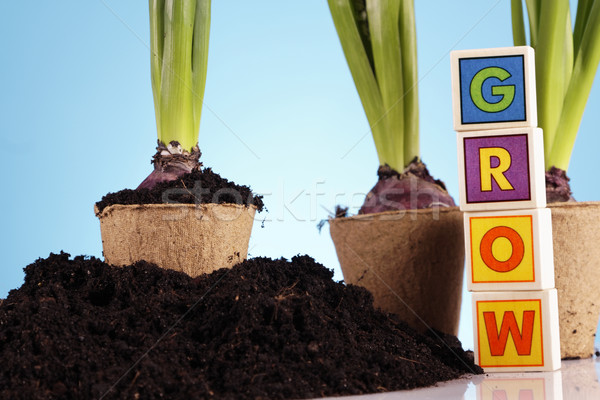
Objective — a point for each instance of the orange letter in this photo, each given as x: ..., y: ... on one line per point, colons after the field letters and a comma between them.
x: 509, y: 325
x: 518, y: 249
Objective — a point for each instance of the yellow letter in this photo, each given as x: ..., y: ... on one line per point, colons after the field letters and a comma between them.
x: 487, y: 172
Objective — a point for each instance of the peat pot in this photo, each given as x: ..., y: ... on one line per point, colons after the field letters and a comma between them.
x: 411, y: 261
x: 576, y: 241
x: 194, y: 239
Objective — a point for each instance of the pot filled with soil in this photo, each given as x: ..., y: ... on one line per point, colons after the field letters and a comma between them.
x: 195, y: 224
x: 180, y: 217
x: 407, y: 248
x: 406, y: 245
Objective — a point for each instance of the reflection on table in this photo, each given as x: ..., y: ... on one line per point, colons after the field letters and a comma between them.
x: 577, y: 379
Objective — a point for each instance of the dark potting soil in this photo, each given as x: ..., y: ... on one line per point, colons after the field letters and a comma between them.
x: 199, y: 186
x: 80, y: 329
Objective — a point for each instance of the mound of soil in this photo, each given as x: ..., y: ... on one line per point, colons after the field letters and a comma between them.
x: 196, y: 187
x: 80, y: 329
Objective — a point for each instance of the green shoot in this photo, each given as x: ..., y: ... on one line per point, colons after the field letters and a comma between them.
x: 379, y: 41
x: 179, y: 32
x: 566, y: 61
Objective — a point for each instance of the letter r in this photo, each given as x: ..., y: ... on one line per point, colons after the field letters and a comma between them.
x: 487, y: 172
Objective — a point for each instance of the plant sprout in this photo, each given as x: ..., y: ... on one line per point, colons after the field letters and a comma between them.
x: 379, y: 41
x: 566, y: 61
x: 179, y: 32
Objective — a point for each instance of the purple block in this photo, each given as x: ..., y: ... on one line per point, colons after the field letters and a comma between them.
x: 517, y: 174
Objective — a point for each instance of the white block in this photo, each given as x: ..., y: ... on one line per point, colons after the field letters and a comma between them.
x: 516, y: 331
x: 493, y: 88
x: 501, y: 169
x: 509, y: 250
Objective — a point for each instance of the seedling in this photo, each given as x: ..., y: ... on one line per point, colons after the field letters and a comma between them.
x: 379, y: 41
x: 179, y: 32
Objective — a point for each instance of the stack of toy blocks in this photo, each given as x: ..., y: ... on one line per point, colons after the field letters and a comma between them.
x: 508, y: 230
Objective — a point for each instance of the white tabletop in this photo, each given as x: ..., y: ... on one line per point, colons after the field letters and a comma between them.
x: 577, y: 379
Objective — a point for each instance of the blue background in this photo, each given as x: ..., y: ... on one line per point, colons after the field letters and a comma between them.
x: 469, y: 67
x: 281, y: 115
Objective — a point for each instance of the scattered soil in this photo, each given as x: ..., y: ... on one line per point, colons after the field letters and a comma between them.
x: 80, y: 329
x: 414, y: 188
x: 341, y: 212
x: 196, y: 187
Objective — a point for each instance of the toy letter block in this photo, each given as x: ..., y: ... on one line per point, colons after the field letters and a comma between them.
x: 493, y: 88
x: 516, y: 331
x: 501, y: 169
x: 521, y: 386
x: 509, y: 250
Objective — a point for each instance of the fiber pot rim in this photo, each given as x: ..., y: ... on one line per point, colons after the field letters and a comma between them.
x: 117, y: 207
x: 398, y: 214
x: 191, y: 238
x: 574, y: 204
x: 393, y: 215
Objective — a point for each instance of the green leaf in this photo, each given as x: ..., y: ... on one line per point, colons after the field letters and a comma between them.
x: 533, y: 12
x: 379, y: 42
x: 156, y: 51
x: 343, y: 15
x: 568, y: 53
x: 410, y: 77
x: 581, y: 19
x: 177, y: 122
x: 385, y: 40
x: 549, y: 68
x: 179, y: 32
x: 200, y: 57
x: 580, y: 85
x: 518, y: 25
x: 359, y: 7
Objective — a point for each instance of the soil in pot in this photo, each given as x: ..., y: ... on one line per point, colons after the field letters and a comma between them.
x: 200, y: 186
x: 79, y: 328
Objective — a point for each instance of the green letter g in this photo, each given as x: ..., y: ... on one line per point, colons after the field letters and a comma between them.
x: 507, y: 91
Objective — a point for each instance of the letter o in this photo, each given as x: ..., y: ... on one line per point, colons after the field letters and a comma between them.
x: 518, y: 249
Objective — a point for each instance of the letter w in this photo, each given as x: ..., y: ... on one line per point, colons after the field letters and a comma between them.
x: 498, y: 341
x: 524, y: 394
